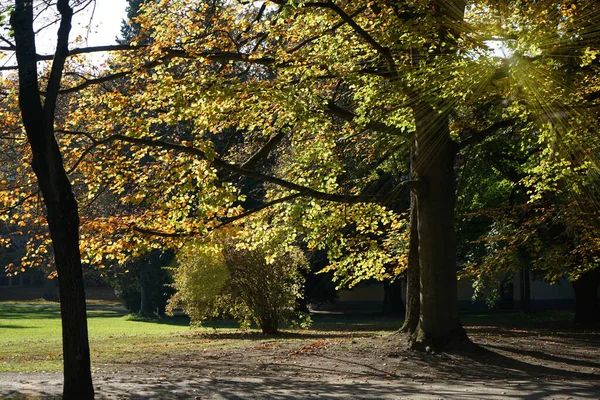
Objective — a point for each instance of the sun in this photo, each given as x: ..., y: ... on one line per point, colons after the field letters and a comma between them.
x: 499, y: 48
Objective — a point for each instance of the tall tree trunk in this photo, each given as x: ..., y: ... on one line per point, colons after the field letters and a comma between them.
x: 439, y: 322
x: 61, y: 206
x: 413, y: 274
x: 587, y: 310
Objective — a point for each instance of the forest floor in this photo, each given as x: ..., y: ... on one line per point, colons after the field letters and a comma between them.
x: 514, y: 359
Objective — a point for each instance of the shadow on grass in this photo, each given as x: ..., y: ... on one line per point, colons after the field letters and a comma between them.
x: 254, y: 335
x: 519, y: 319
x: 356, y: 322
x: 30, y: 311
x: 173, y: 321
x: 14, y: 327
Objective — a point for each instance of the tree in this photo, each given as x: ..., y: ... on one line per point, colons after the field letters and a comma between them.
x: 38, y: 118
x: 414, y: 58
x: 542, y: 181
x: 317, y: 83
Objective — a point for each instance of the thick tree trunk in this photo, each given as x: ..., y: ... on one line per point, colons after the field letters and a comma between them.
x: 61, y: 206
x: 413, y: 274
x: 439, y: 322
x: 587, y: 309
x: 392, y: 298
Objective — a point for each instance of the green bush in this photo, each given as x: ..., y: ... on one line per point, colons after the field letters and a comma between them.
x: 259, y: 284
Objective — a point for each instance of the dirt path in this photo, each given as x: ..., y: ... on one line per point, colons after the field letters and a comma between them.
x: 292, y: 387
x: 512, y: 363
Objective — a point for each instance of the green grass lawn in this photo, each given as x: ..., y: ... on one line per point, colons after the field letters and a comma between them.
x: 30, y: 336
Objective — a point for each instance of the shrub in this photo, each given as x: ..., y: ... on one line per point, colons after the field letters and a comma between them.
x: 261, y: 284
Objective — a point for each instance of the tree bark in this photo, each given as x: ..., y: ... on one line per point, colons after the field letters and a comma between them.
x: 439, y: 322
x: 61, y: 206
x: 587, y: 310
x: 413, y: 272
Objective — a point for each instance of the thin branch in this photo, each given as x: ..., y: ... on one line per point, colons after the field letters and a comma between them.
x: 382, y: 50
x: 332, y: 29
x: 152, y: 232
x: 20, y: 202
x: 11, y: 45
x: 59, y: 59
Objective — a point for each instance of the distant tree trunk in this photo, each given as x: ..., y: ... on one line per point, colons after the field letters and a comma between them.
x: 146, y: 290
x: 525, y: 289
x: 587, y: 310
x: 61, y: 206
x: 413, y: 274
x: 392, y: 298
x: 439, y: 322
x: 51, y: 290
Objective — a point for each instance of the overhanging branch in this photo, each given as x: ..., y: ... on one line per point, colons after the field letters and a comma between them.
x: 172, y: 54
x: 241, y: 171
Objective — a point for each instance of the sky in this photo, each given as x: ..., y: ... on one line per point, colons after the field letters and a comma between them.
x: 106, y: 22
x: 104, y: 28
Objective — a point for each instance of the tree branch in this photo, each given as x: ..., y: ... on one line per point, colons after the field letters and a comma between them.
x: 223, y: 222
x: 59, y: 59
x: 264, y: 151
x: 383, y: 51
x: 332, y: 29
x: 349, y: 116
x: 238, y: 170
x: 171, y: 54
x: 480, y: 136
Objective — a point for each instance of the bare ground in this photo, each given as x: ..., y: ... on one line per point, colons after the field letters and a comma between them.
x: 532, y: 363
